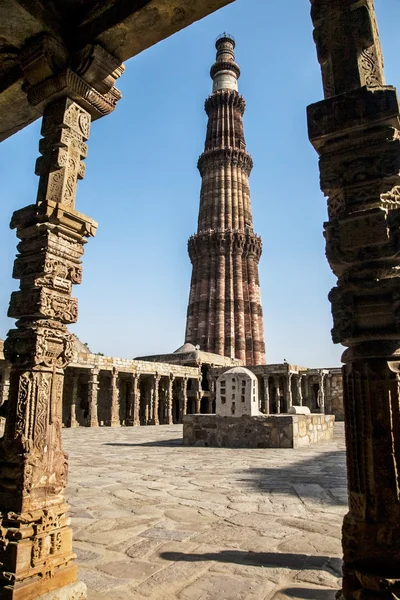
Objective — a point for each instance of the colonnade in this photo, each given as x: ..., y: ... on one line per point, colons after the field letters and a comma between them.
x: 96, y: 397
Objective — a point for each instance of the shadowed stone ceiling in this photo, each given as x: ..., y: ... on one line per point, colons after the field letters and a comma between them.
x: 123, y: 27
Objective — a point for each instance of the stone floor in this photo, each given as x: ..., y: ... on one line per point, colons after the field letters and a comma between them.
x: 154, y: 520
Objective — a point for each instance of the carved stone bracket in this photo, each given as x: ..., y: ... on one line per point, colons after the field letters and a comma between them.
x: 87, y: 77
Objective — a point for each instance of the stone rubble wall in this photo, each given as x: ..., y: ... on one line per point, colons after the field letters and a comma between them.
x: 273, y: 431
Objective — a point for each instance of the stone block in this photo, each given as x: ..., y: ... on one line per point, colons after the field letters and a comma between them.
x: 264, y: 431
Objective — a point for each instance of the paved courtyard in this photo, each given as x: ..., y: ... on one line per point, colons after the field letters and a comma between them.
x: 154, y: 520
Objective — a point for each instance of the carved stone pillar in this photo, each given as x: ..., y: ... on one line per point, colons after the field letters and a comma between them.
x: 136, y: 403
x: 289, y: 395
x: 5, y: 383
x: 170, y: 399
x: 321, y: 392
x: 183, y: 399
x: 299, y: 390
x: 199, y: 395
x: 74, y: 398
x: 356, y: 132
x: 155, y: 395
x: 266, y: 406
x: 278, y: 396
x: 93, y: 391
x: 134, y: 400
x: 35, y: 537
x: 211, y: 399
x: 115, y: 399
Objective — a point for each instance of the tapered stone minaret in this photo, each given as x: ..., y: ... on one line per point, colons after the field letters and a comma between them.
x: 224, y: 313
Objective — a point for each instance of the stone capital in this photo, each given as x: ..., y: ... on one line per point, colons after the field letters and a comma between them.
x: 88, y: 77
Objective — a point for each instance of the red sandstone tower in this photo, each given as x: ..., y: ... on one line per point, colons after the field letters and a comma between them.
x: 224, y: 313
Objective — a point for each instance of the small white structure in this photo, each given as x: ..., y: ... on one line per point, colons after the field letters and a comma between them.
x: 237, y: 393
x: 299, y: 410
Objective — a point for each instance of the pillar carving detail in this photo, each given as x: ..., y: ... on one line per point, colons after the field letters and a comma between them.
x: 356, y: 133
x: 35, y: 537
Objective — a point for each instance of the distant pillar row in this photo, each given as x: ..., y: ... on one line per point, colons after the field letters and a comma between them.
x: 224, y: 313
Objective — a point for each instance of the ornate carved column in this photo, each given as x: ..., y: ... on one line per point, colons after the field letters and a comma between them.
x: 115, y: 399
x: 266, y: 406
x: 93, y: 391
x: 356, y: 132
x: 74, y: 398
x: 170, y: 398
x: 35, y: 537
x: 155, y: 394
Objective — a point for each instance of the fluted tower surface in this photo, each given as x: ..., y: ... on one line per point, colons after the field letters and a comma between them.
x: 224, y: 314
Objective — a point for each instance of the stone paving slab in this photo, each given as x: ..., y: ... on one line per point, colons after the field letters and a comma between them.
x: 154, y: 520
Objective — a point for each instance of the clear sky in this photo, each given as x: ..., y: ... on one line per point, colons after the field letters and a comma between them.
x: 142, y: 186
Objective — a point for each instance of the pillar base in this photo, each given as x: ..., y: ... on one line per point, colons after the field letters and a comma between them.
x: 73, y: 591
x: 363, y: 586
x: 48, y: 588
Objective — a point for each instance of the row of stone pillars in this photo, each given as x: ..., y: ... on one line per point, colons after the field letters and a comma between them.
x: 281, y: 392
x: 150, y: 399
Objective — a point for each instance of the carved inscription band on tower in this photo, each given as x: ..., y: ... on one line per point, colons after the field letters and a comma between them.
x: 224, y: 313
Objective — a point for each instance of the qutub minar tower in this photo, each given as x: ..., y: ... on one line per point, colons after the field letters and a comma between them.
x: 224, y: 313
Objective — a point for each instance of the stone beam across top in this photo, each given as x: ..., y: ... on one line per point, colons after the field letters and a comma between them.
x: 122, y: 28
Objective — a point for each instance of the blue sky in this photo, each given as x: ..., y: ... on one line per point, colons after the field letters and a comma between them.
x: 142, y: 186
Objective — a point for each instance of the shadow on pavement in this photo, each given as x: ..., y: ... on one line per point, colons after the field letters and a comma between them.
x: 263, y: 559
x: 308, y: 593
x: 169, y: 443
x: 317, y: 477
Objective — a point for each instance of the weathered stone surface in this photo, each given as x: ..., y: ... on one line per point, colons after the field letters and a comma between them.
x: 73, y: 591
x: 273, y: 431
x: 356, y: 133
x: 224, y: 542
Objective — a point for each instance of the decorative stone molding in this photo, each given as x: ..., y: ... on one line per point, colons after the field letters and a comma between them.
x: 88, y: 78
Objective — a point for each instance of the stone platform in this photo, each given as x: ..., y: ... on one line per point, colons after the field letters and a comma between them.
x: 264, y: 431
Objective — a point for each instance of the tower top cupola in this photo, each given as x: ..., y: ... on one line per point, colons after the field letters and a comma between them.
x: 225, y: 71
